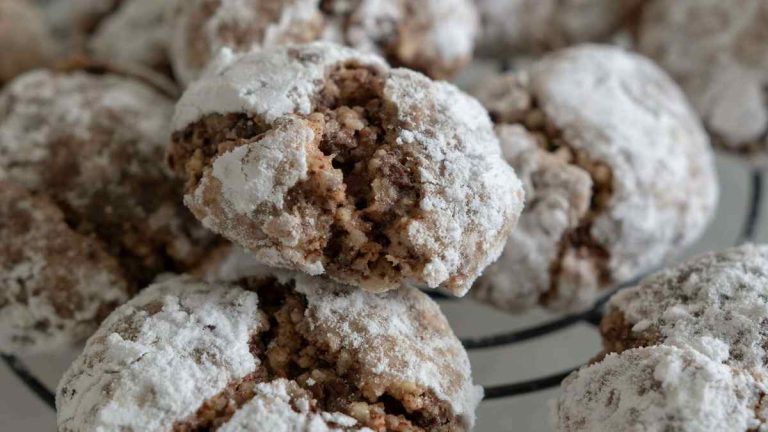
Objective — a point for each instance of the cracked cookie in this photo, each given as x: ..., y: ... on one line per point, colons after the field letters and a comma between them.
x: 717, y: 52
x: 519, y: 27
x: 56, y: 284
x: 24, y: 38
x: 716, y: 304
x: 94, y: 142
x: 617, y: 170
x: 433, y: 36
x: 659, y: 388
x: 705, y: 315
x: 321, y: 159
x: 269, y: 353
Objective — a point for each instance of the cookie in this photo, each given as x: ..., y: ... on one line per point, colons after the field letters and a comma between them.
x: 135, y: 33
x: 56, y: 285
x: 711, y: 308
x: 432, y: 36
x: 524, y: 27
x: 268, y: 354
x: 717, y: 52
x: 25, y: 39
x: 95, y: 143
x: 321, y: 159
x: 715, y: 303
x: 617, y: 169
x: 659, y: 389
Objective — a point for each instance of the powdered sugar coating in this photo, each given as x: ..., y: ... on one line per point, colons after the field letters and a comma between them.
x: 414, y: 342
x: 159, y: 356
x: 283, y: 405
x: 95, y: 143
x: 435, y: 36
x: 55, y: 284
x: 655, y: 389
x: 716, y: 304
x: 717, y: 52
x: 269, y: 84
x: 599, y: 112
x: 513, y: 27
x: 156, y: 359
x: 26, y: 41
x: 469, y: 198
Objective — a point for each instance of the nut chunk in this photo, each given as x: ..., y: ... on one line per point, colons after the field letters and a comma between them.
x: 321, y: 159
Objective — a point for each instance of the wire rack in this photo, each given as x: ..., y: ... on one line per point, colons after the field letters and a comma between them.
x: 591, y: 316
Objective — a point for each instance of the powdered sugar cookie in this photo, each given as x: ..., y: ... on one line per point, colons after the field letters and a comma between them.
x: 433, y: 36
x: 715, y: 304
x: 134, y: 32
x: 717, y: 52
x: 618, y: 175
x: 325, y: 160
x: 95, y: 143
x: 659, y: 389
x: 514, y: 27
x: 267, y: 354
x: 56, y: 285
x: 24, y: 37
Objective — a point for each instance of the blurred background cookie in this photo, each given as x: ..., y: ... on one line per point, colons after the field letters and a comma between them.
x: 617, y: 169
x: 717, y: 52
x: 433, y: 36
x: 24, y: 37
x: 528, y: 27
x: 94, y: 142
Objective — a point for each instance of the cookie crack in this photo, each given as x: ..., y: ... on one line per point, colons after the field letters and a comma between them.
x: 330, y: 376
x: 577, y: 240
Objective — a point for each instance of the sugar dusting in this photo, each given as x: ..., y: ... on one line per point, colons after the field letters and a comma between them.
x: 618, y: 109
x: 156, y: 359
x: 720, y: 59
x: 715, y: 304
x: 658, y: 388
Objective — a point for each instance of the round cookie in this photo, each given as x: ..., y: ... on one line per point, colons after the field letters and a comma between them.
x: 432, y: 36
x: 717, y: 52
x: 321, y: 159
x: 56, y: 285
x: 515, y: 27
x: 95, y: 143
x: 659, y: 389
x: 133, y: 33
x: 187, y: 355
x: 716, y: 303
x: 618, y: 175
x: 24, y: 37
